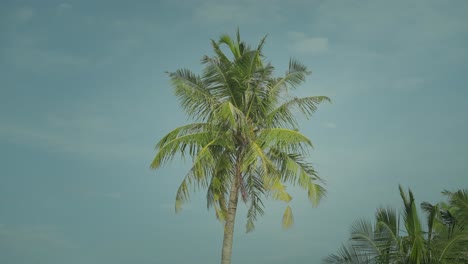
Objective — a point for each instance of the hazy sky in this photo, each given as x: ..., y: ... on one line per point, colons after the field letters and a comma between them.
x: 84, y: 98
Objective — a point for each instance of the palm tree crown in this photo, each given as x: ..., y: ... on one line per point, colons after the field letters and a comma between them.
x: 245, y: 140
x: 445, y: 239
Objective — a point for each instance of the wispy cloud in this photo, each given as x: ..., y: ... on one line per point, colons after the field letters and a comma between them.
x: 38, y: 60
x: 240, y: 12
x: 80, y: 135
x: 330, y: 125
x: 120, y: 38
x: 22, y: 236
x: 304, y: 44
x: 63, y: 8
x: 24, y: 14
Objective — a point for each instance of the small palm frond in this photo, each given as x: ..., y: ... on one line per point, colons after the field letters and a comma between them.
x: 288, y: 218
x: 363, y: 239
x: 296, y: 73
x: 432, y: 214
x: 254, y: 188
x: 387, y: 222
x: 348, y: 255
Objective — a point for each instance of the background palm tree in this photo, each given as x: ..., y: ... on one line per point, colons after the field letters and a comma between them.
x: 386, y: 241
x: 245, y: 140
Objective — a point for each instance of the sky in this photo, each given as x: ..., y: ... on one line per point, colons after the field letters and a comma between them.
x: 84, y: 98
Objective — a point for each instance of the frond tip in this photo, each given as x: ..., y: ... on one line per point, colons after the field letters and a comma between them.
x: 288, y: 218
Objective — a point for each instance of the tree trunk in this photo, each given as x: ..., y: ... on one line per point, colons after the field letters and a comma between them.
x: 230, y: 220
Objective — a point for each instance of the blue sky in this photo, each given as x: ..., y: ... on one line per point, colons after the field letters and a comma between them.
x: 84, y: 98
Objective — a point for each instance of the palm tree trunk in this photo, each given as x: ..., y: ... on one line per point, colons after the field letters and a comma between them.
x: 230, y: 220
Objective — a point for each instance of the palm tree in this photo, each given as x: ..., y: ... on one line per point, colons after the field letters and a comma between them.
x: 450, y: 242
x: 386, y: 241
x: 245, y: 140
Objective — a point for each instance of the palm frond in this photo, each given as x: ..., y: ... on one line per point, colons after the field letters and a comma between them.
x: 283, y: 116
x: 362, y: 237
x: 195, y: 99
x: 347, y: 254
x: 288, y: 218
x: 255, y: 190
x: 284, y: 139
x: 181, y: 144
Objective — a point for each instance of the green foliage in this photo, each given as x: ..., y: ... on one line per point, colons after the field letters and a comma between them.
x: 444, y: 241
x: 245, y: 129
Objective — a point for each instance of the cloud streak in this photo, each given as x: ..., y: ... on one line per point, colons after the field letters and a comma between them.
x: 84, y: 136
x: 240, y: 12
x: 301, y: 43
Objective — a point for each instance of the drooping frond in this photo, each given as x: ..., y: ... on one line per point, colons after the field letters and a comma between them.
x: 181, y: 131
x: 190, y: 143
x: 288, y: 218
x: 282, y: 116
x: 295, y: 170
x: 255, y: 189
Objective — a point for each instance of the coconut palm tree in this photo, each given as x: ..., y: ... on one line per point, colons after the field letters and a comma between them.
x: 244, y: 142
x: 450, y: 242
x: 444, y: 241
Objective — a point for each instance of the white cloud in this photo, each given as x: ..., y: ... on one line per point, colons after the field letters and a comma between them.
x: 63, y: 8
x: 24, y: 15
x: 302, y: 43
x: 330, y: 125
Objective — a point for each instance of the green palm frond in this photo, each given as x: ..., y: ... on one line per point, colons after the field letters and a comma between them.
x: 348, y: 255
x: 181, y: 131
x: 295, y: 170
x: 459, y: 200
x: 283, y: 116
x: 288, y: 218
x: 284, y: 139
x: 362, y: 237
x: 451, y: 249
x: 194, y: 97
x: 190, y: 142
x: 415, y: 241
x: 255, y: 190
x: 432, y: 213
